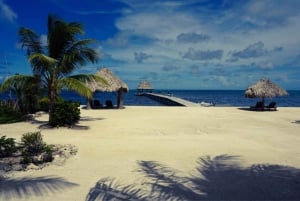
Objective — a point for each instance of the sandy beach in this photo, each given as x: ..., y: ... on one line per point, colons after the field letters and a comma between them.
x: 111, y: 142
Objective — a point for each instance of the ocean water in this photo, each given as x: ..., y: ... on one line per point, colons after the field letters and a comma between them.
x: 234, y: 98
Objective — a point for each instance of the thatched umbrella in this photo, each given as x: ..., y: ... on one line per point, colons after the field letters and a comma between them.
x: 114, y: 84
x: 144, y: 86
x: 264, y: 88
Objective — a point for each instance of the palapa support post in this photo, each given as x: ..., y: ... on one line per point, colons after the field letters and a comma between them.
x: 120, y: 98
x: 88, y: 103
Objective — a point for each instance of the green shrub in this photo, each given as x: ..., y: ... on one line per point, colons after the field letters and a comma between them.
x: 48, y: 153
x: 65, y: 113
x: 7, y: 146
x: 32, y: 143
x: 34, y: 149
x: 9, y: 115
x: 44, y: 104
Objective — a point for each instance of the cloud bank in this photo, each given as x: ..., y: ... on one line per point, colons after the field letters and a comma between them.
x: 6, y: 12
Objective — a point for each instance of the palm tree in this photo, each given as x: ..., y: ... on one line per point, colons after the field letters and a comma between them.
x: 55, y: 62
x: 24, y: 87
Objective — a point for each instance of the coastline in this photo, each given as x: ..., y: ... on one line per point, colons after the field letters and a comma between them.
x: 173, y: 136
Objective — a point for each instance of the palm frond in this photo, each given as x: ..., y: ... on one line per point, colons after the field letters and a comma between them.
x: 30, y: 40
x: 75, y: 28
x: 41, y: 63
x: 78, y: 54
x: 61, y: 35
x: 43, y: 59
x: 15, y: 81
x: 76, y: 85
x: 90, y: 78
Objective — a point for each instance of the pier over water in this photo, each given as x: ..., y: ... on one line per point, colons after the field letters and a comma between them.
x: 170, y: 100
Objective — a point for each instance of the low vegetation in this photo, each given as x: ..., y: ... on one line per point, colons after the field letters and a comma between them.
x: 9, y: 115
x: 32, y: 148
x: 65, y: 113
x: 43, y: 104
x: 7, y: 146
x: 31, y: 153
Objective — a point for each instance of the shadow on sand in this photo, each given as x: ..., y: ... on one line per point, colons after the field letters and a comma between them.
x: 27, y: 187
x: 87, y: 118
x: 75, y: 127
x: 219, y: 178
x: 45, y: 125
x: 252, y: 110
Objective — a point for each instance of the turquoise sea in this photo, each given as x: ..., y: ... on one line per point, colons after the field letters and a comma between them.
x: 219, y: 97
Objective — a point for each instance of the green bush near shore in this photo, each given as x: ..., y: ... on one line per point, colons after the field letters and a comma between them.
x: 44, y: 104
x: 65, y: 113
x: 9, y: 115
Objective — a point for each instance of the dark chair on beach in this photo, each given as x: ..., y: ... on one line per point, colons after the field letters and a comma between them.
x: 271, y: 107
x: 259, y: 106
x: 109, y: 104
x: 96, y: 104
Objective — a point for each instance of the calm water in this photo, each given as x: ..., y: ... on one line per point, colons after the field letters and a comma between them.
x: 219, y: 97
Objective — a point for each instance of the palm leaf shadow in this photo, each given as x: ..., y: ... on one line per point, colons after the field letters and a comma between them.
x: 27, y: 187
x: 222, y: 178
x: 218, y: 178
x: 164, y: 182
x: 107, y: 189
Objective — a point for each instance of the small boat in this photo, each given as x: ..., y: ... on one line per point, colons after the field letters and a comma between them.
x: 207, y: 104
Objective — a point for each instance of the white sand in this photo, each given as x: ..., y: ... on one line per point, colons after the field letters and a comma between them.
x: 173, y: 136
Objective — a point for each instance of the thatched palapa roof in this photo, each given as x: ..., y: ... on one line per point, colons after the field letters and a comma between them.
x: 113, y: 82
x: 144, y: 85
x: 264, y: 88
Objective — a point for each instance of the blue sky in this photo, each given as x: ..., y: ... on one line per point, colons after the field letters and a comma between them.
x: 188, y: 44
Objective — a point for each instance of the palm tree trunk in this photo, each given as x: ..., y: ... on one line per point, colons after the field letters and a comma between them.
x: 120, y: 98
x: 52, y: 97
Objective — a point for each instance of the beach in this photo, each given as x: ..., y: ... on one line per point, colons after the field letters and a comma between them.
x: 111, y: 142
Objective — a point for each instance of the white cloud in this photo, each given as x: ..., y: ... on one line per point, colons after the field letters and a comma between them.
x: 44, y: 40
x: 252, y: 51
x: 119, y: 40
x: 260, y: 32
x: 141, y: 56
x: 7, y: 13
x: 158, y: 25
x: 170, y: 67
x: 192, y: 37
x: 202, y: 55
x: 266, y: 65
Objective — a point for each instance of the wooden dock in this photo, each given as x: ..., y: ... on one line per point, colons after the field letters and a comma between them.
x: 170, y: 100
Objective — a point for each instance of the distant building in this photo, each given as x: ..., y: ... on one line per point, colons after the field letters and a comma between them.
x: 144, y: 87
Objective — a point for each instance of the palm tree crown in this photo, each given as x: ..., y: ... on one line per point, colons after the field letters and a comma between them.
x: 55, y: 61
